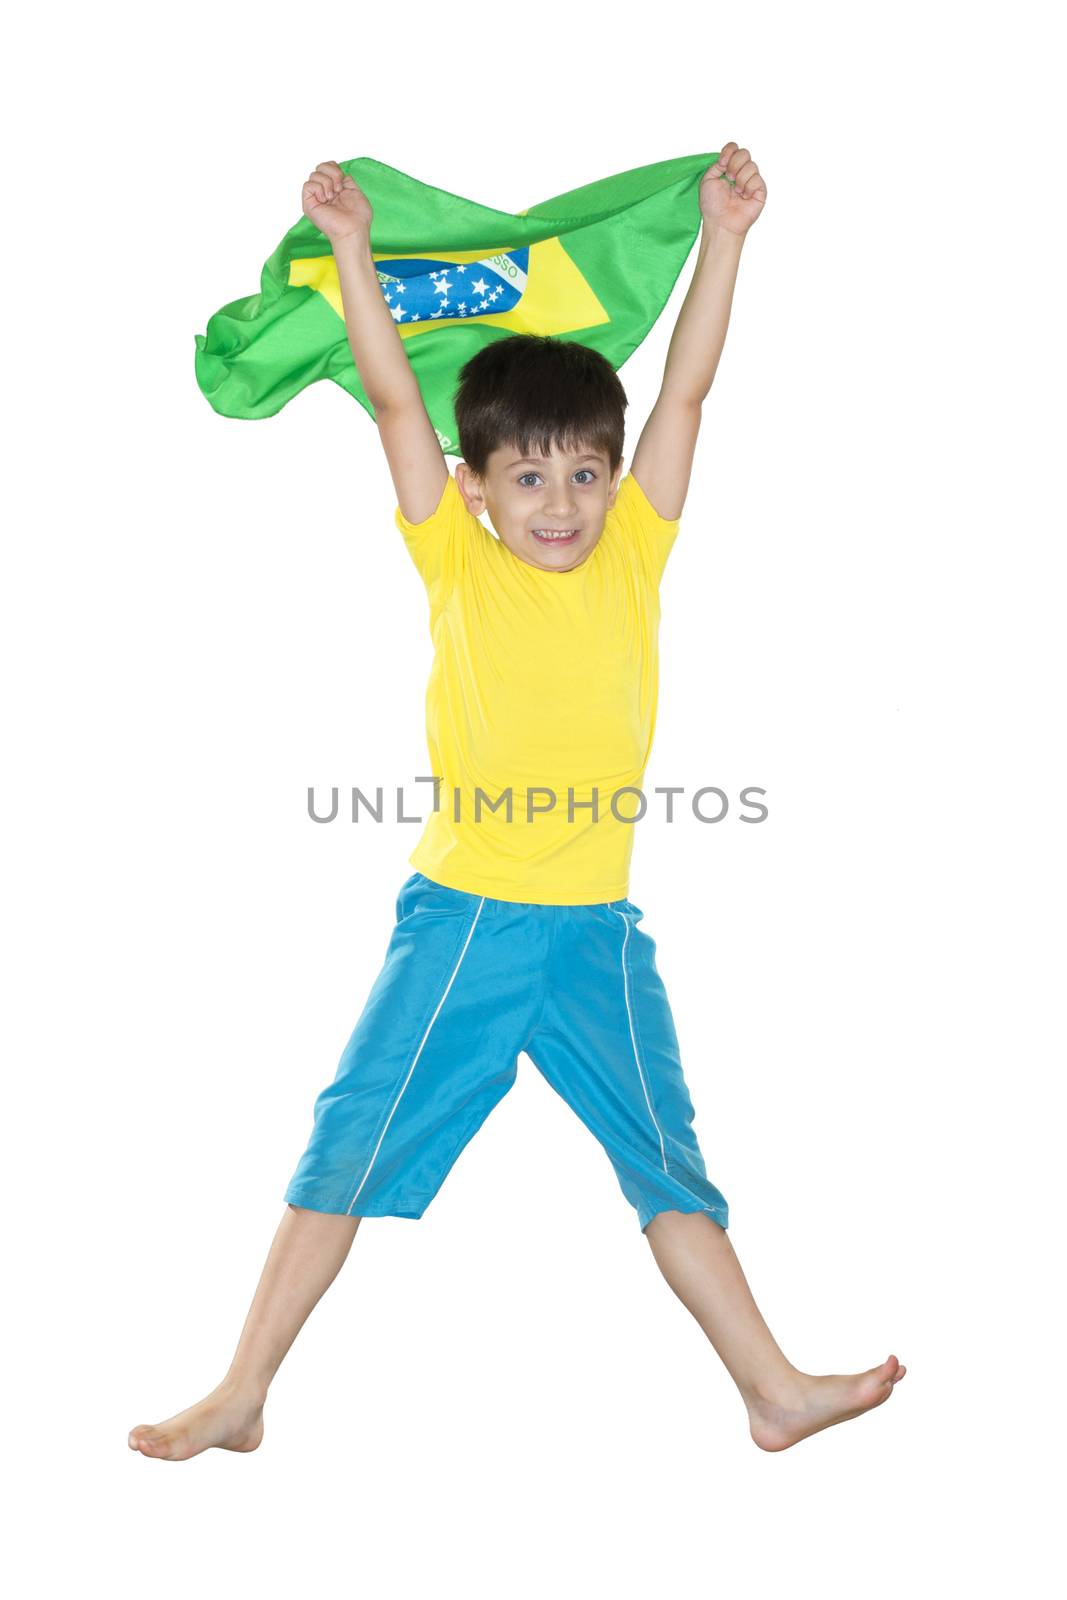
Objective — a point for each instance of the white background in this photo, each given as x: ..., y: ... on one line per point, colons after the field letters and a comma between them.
x: 862, y: 614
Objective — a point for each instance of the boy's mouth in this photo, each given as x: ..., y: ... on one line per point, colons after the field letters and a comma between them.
x: 555, y: 536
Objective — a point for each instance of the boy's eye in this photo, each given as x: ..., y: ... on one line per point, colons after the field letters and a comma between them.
x: 587, y: 470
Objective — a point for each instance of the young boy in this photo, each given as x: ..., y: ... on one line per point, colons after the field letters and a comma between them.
x: 515, y: 933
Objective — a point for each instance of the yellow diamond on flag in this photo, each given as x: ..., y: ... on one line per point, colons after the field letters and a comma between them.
x: 555, y: 298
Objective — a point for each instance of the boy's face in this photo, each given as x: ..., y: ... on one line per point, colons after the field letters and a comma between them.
x: 530, y: 499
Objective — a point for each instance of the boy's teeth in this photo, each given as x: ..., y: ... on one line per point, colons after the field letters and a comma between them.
x: 554, y: 533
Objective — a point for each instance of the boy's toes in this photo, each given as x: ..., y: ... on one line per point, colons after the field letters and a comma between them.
x: 147, y: 1441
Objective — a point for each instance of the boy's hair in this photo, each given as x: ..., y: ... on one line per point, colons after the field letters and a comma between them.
x: 531, y: 391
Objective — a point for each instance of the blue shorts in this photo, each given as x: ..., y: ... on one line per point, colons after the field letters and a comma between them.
x: 468, y: 982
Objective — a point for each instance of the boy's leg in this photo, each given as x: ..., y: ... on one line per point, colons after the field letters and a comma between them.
x: 434, y: 1051
x: 308, y: 1251
x: 784, y: 1405
x: 607, y: 1044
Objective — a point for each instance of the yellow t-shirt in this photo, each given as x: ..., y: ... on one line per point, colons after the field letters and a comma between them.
x: 541, y: 681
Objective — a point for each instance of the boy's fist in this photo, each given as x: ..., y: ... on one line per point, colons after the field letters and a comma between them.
x: 732, y: 192
x: 335, y: 203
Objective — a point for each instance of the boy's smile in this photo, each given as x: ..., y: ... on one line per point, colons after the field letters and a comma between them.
x: 547, y: 510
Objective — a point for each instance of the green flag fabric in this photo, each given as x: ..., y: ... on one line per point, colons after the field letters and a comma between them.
x: 596, y: 265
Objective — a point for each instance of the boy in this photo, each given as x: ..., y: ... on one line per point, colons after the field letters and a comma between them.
x: 515, y: 933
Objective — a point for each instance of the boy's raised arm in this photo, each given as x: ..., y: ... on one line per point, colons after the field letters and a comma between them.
x: 340, y: 210
x: 732, y: 195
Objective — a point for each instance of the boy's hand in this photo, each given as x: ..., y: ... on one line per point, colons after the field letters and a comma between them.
x: 335, y: 203
x: 732, y: 192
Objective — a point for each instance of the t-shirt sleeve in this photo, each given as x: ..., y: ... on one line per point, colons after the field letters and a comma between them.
x: 437, y: 544
x: 653, y: 536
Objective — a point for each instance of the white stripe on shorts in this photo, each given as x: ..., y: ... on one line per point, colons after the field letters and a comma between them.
x: 633, y: 1037
x: 418, y: 1053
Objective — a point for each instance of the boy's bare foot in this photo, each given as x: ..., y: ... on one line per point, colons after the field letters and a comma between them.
x: 230, y: 1418
x: 813, y: 1403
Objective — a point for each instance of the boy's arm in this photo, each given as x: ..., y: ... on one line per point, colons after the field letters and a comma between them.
x: 732, y: 194
x: 340, y: 210
x: 411, y: 445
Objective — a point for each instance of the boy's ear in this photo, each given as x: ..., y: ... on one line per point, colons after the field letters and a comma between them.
x: 471, y: 488
x: 616, y: 479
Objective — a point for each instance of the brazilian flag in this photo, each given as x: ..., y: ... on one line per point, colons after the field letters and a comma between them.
x: 596, y: 265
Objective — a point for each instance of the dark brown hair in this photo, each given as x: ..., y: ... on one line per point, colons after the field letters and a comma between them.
x: 533, y: 391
